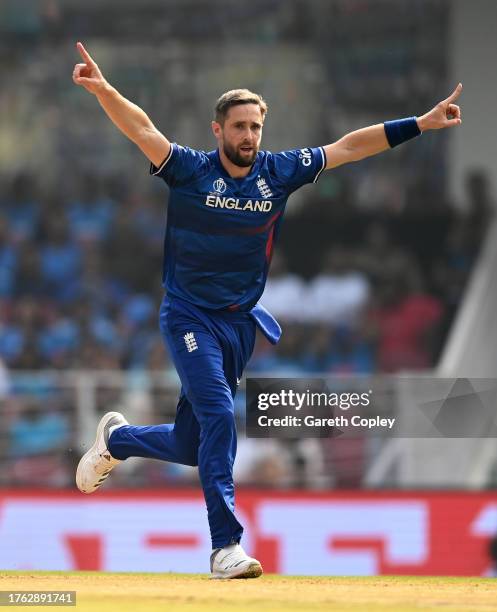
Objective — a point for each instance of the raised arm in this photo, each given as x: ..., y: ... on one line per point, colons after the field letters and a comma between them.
x: 377, y: 138
x: 128, y: 117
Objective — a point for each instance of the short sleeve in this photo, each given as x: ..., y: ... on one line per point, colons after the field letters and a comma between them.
x: 180, y: 166
x: 299, y: 166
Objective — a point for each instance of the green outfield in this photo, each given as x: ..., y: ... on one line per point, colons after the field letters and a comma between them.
x: 111, y: 592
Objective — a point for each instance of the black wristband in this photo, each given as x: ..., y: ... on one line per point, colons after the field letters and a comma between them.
x: 400, y: 130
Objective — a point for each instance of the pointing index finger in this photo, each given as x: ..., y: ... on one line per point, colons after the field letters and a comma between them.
x: 84, y: 54
x: 455, y: 94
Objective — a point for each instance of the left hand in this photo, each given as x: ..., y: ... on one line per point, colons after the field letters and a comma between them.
x: 444, y: 114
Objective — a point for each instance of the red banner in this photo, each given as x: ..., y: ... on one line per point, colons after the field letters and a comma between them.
x: 354, y: 533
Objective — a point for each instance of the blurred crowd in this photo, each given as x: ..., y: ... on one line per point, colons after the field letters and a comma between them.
x: 80, y: 278
x: 372, y: 291
x: 372, y: 262
x: 356, y: 291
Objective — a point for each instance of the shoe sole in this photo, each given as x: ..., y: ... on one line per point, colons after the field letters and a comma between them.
x: 254, y: 570
x: 100, y: 432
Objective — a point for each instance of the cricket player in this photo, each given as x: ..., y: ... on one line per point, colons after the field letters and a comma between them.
x: 225, y: 211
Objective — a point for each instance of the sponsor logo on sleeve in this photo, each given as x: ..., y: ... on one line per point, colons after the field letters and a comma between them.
x: 305, y: 156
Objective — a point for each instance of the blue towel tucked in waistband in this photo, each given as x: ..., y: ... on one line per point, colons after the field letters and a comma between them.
x: 265, y: 321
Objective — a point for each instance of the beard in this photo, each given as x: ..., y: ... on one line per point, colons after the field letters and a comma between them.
x: 237, y: 158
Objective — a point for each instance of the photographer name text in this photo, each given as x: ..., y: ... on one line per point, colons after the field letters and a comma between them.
x: 338, y: 421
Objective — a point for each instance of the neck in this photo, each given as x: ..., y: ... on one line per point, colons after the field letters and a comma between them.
x: 232, y: 169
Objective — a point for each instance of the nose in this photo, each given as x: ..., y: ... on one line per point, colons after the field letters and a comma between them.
x: 248, y: 135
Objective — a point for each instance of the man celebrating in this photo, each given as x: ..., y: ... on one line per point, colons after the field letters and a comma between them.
x: 225, y: 211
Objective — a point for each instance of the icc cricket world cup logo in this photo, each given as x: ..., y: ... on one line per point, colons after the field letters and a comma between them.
x: 219, y: 185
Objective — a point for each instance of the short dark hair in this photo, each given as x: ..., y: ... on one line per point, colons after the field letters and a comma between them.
x: 235, y: 97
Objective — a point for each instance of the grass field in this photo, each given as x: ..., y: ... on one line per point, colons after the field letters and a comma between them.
x: 108, y: 592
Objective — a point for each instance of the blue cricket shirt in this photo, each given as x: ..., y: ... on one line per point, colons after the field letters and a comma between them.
x: 221, y: 230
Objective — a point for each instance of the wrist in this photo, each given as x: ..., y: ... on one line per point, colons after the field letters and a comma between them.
x: 422, y: 123
x: 104, y: 89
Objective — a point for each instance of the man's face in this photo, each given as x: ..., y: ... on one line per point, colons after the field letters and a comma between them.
x: 240, y: 136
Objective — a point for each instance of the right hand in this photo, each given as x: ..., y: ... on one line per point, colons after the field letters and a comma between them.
x: 88, y: 75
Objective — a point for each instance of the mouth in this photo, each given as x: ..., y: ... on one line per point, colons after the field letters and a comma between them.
x: 246, y: 148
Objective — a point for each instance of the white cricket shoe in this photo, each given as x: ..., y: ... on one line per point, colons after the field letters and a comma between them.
x: 233, y: 562
x: 95, y: 465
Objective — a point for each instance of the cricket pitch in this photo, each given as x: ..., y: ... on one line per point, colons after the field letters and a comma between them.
x: 125, y: 592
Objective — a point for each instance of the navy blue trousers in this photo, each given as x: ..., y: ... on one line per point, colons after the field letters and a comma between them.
x: 210, y: 350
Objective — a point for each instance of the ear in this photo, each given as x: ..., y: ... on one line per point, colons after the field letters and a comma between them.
x: 217, y: 129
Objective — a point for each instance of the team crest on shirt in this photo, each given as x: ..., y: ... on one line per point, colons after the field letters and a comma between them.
x: 263, y: 188
x: 219, y: 185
